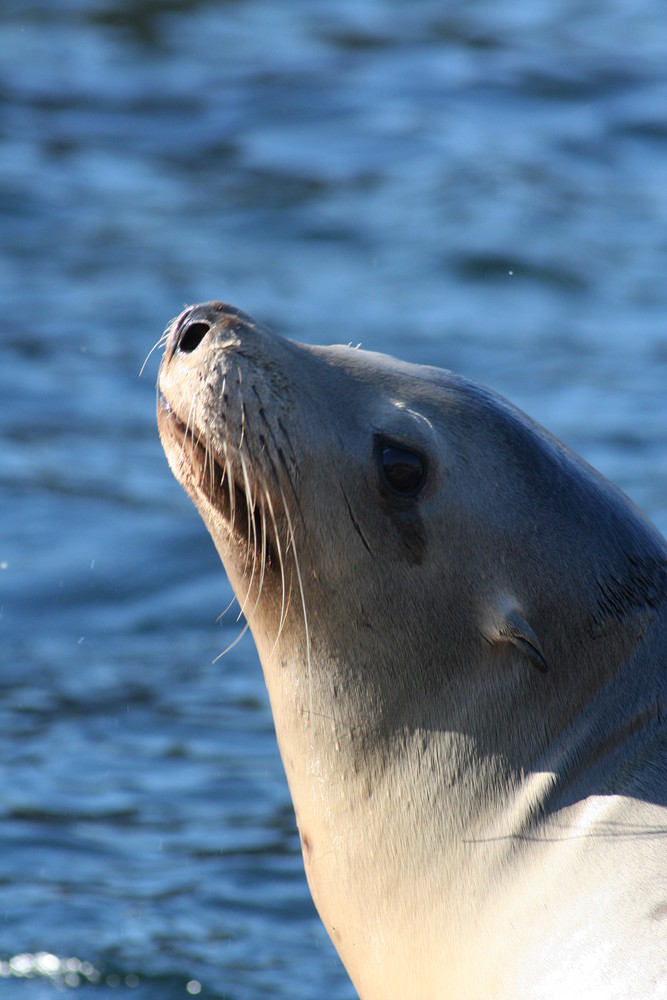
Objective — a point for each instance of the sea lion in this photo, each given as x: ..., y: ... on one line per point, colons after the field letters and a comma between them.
x: 463, y: 632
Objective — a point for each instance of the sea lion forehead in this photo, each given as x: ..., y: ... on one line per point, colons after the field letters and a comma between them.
x: 403, y: 389
x: 405, y: 379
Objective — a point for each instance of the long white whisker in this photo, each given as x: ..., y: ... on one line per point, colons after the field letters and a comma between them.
x: 158, y: 343
x: 251, y: 520
x: 250, y: 510
x: 228, y: 475
x: 260, y: 585
x: 242, y: 410
x: 188, y: 433
x: 262, y: 553
x: 281, y: 563
x: 234, y: 643
x: 292, y: 541
x: 224, y: 612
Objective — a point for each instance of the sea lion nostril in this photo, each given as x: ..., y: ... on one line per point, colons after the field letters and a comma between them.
x: 192, y: 336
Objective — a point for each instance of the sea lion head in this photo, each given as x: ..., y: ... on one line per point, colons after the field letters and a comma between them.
x: 429, y: 519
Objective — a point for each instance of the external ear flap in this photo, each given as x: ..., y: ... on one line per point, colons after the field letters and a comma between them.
x: 511, y: 626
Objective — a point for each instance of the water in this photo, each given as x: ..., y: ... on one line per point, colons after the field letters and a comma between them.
x: 477, y: 185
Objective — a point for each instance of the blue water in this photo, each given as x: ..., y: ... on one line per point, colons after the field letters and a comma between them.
x: 477, y: 185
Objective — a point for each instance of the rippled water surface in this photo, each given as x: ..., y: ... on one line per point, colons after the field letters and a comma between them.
x: 477, y: 185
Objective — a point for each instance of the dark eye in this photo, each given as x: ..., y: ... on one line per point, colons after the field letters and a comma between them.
x: 404, y: 471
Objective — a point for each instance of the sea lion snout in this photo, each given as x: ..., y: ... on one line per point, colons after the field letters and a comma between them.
x: 194, y: 325
x: 187, y: 332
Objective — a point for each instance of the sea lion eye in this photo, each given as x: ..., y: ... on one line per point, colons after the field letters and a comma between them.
x: 404, y: 471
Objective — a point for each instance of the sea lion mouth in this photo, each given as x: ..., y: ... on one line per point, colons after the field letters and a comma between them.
x: 216, y: 481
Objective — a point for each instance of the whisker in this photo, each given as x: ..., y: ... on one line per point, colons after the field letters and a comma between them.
x: 234, y: 643
x: 251, y: 520
x: 210, y: 457
x: 260, y: 585
x: 262, y: 551
x: 242, y: 409
x: 224, y: 612
x: 281, y: 563
x: 188, y: 433
x: 158, y: 343
x: 297, y: 567
x: 251, y: 532
x: 230, y: 483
